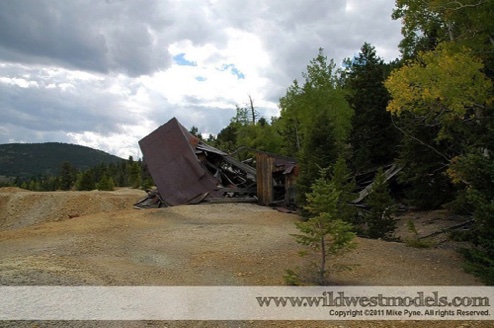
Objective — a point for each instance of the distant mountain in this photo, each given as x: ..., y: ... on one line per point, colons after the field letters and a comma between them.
x: 28, y: 160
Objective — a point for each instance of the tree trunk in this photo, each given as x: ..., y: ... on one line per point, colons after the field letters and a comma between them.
x: 322, y: 270
x: 253, y: 110
x: 297, y: 137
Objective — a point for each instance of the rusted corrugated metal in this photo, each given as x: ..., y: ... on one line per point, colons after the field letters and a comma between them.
x: 169, y: 152
x: 186, y: 170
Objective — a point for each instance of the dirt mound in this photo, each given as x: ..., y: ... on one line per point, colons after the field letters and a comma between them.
x: 21, y: 208
x: 215, y: 244
x: 12, y: 189
x: 112, y: 244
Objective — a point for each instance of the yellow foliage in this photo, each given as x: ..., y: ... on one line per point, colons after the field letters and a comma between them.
x: 446, y: 80
x: 452, y: 173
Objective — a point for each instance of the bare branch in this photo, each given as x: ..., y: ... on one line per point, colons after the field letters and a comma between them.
x: 460, y: 5
x: 419, y: 141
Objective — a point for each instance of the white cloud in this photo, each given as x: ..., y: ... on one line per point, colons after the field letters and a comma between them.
x: 107, y: 73
x: 219, y: 78
x: 20, y: 82
x: 121, y: 144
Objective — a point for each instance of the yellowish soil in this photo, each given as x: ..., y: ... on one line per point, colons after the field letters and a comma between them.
x: 98, y: 238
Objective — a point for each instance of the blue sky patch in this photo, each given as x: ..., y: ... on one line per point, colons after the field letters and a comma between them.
x: 201, y: 78
x: 180, y: 60
x: 233, y: 70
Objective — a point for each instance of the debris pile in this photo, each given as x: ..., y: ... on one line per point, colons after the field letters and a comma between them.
x: 187, y: 171
x: 365, y: 181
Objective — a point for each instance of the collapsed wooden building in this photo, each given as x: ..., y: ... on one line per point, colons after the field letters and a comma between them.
x: 186, y: 170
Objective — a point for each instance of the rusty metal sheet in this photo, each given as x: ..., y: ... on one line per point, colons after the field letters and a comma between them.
x: 169, y: 153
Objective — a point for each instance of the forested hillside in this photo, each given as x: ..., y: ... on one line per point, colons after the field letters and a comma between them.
x: 59, y: 166
x: 31, y: 160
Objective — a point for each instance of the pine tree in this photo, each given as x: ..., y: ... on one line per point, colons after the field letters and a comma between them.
x: 343, y: 181
x: 134, y: 174
x: 67, y: 176
x: 476, y: 170
x: 105, y: 183
x: 380, y: 217
x: 319, y: 151
x: 374, y: 138
x: 324, y: 232
x: 85, y: 181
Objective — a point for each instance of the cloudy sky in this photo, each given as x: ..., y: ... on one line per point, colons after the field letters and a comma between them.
x: 106, y: 73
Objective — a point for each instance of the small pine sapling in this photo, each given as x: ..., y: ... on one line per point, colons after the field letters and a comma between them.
x: 324, y: 232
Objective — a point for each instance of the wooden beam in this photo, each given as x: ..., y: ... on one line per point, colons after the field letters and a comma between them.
x: 264, y: 174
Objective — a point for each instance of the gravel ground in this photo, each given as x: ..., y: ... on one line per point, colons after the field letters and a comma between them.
x: 110, y: 243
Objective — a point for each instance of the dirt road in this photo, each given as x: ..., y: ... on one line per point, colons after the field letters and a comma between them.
x: 110, y: 243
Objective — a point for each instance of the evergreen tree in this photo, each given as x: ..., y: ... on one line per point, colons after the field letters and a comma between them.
x: 227, y: 138
x: 67, y: 176
x: 195, y: 132
x: 324, y: 232
x: 34, y: 185
x: 343, y: 181
x: 373, y: 139
x: 50, y: 183
x: 134, y: 173
x: 476, y: 171
x: 424, y: 162
x: 319, y: 151
x: 380, y: 219
x: 85, y: 181
x: 122, y: 178
x: 105, y: 183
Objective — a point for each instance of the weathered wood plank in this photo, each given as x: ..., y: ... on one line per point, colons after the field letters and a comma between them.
x: 264, y: 172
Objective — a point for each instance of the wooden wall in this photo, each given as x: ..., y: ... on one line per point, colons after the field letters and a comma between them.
x: 264, y: 173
